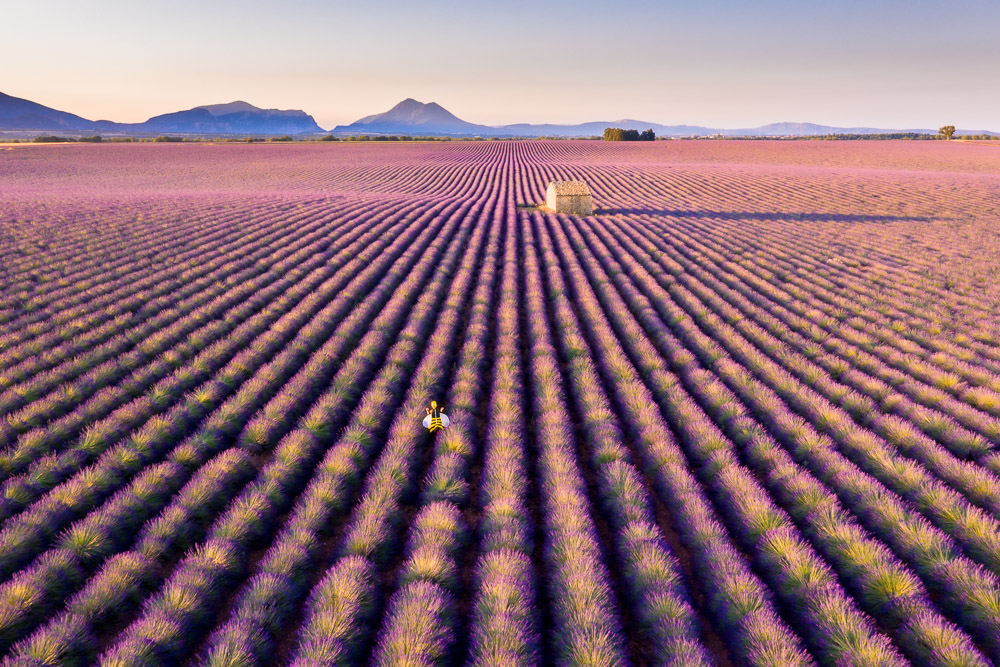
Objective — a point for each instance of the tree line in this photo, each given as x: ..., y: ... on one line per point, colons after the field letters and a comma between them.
x: 618, y: 134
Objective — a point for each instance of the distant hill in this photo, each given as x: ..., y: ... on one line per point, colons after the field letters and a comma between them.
x: 808, y: 130
x: 239, y: 117
x: 232, y: 107
x: 233, y: 118
x: 413, y: 117
x: 409, y: 117
x: 814, y: 130
x: 20, y: 114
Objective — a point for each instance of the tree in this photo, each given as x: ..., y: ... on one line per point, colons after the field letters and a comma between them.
x: 618, y: 134
x: 947, y: 131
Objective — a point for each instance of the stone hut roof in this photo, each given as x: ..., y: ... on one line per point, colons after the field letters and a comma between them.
x: 570, y: 188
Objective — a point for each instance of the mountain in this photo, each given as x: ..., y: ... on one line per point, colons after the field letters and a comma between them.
x: 413, y: 117
x: 239, y: 117
x: 416, y: 118
x: 20, y: 114
x: 807, y: 130
x: 814, y: 130
x: 409, y: 117
x: 232, y: 107
x: 233, y: 118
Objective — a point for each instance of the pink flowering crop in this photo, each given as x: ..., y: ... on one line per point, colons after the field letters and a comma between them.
x: 747, y: 413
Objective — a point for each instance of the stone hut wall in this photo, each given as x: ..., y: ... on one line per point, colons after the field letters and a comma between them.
x: 572, y: 197
x: 572, y: 204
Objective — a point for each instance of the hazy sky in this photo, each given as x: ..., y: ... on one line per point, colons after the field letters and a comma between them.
x: 883, y: 63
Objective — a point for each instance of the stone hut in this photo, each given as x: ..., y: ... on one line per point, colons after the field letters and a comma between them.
x: 571, y: 197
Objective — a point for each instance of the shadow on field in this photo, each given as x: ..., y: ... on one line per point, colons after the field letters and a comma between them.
x: 764, y: 217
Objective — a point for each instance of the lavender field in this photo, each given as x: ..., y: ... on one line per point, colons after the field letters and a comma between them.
x: 745, y: 414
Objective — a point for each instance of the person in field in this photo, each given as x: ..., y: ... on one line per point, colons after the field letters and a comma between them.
x: 436, y: 419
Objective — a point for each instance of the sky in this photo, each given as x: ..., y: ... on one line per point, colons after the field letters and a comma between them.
x: 718, y: 63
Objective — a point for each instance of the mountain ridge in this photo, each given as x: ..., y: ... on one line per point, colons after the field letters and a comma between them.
x: 239, y: 117
x: 16, y: 113
x: 393, y: 122
x: 410, y: 114
x: 408, y: 117
x: 232, y: 118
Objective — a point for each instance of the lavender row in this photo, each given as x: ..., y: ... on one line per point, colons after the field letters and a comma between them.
x: 422, y: 614
x: 229, y: 415
x: 761, y: 637
x: 900, y: 323
x: 195, y: 331
x: 206, y: 573
x: 94, y: 236
x: 70, y: 636
x: 119, y: 517
x: 752, y: 241
x: 954, y: 354
x: 42, y: 261
x: 952, y: 512
x: 587, y: 626
x: 887, y: 390
x: 86, y: 299
x: 144, y: 297
x: 268, y: 425
x: 818, y: 257
x: 265, y: 605
x: 504, y: 625
x: 171, y: 531
x: 864, y: 371
x: 965, y: 587
x: 38, y: 377
x: 658, y: 598
x: 977, y: 484
x: 279, y: 414
x: 766, y: 527
x: 971, y: 527
x: 373, y: 532
x: 99, y: 436
x: 169, y: 333
x: 893, y: 359
x: 418, y: 626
